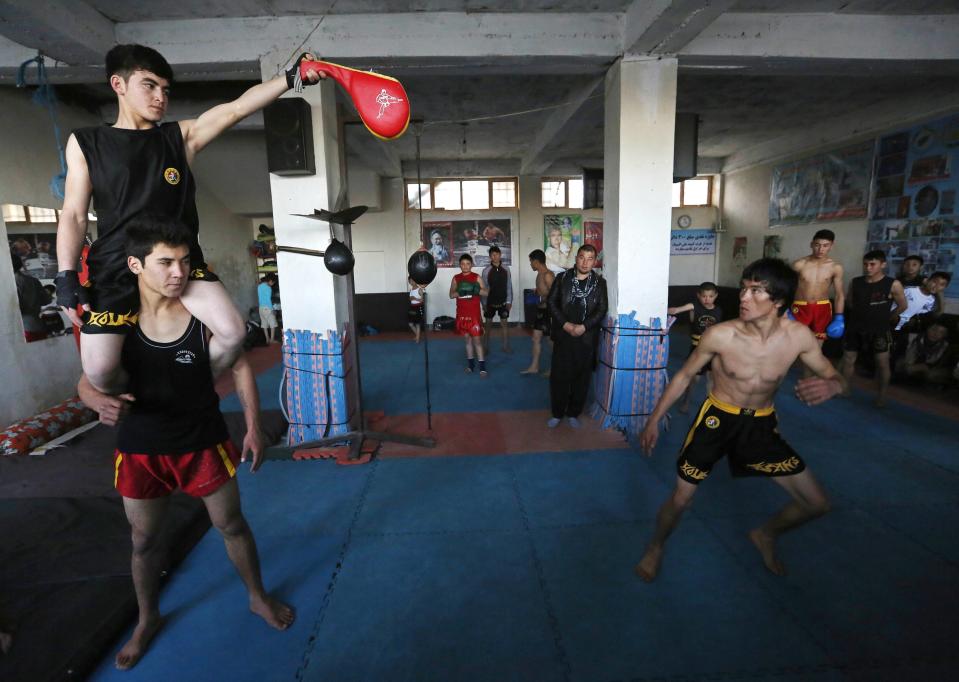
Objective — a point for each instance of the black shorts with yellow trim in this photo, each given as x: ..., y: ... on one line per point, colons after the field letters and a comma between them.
x: 114, y: 296
x: 749, y: 438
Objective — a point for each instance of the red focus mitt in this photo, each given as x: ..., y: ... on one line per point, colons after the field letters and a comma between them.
x: 381, y: 101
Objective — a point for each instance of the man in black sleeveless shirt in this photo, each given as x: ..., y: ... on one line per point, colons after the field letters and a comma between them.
x: 870, y: 307
x: 171, y: 432
x: 142, y: 165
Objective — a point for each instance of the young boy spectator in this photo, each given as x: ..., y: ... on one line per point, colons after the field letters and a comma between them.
x: 467, y: 287
x: 911, y: 273
x: 928, y: 358
x: 264, y: 294
x: 924, y: 298
x: 415, y: 314
x: 703, y: 314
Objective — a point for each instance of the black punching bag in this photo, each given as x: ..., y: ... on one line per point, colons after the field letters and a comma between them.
x: 422, y: 267
x: 338, y: 259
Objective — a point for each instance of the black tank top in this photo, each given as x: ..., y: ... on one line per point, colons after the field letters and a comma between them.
x: 133, y: 171
x: 176, y: 408
x: 871, y: 305
x: 704, y: 318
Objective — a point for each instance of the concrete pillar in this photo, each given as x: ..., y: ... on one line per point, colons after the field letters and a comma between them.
x: 312, y: 298
x: 640, y: 122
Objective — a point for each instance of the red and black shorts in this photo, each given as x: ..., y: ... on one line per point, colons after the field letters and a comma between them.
x: 749, y: 438
x: 198, y: 473
x: 814, y: 314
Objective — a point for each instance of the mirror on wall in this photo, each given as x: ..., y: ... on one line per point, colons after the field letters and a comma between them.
x: 32, y: 239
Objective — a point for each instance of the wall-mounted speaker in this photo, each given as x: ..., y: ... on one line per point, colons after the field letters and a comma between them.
x: 685, y: 146
x: 289, y: 137
x: 592, y: 188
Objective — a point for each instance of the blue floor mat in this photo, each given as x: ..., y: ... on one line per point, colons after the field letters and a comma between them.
x: 520, y: 567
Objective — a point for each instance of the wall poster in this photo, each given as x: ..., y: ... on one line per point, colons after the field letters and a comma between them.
x: 562, y: 237
x: 830, y: 186
x: 692, y: 242
x: 914, y: 198
x: 452, y: 238
x: 594, y: 236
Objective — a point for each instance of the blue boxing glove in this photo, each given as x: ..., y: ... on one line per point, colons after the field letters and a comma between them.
x: 837, y: 327
x: 789, y: 314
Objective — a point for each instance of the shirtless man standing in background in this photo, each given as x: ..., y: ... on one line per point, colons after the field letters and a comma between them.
x: 817, y: 272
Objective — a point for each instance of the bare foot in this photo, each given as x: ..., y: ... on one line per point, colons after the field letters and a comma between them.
x: 767, y: 548
x: 133, y: 650
x: 648, y: 566
x: 530, y: 370
x: 276, y: 614
x: 6, y: 640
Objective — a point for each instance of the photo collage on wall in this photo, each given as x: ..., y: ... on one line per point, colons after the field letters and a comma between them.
x: 450, y: 239
x: 830, y: 186
x: 914, y: 197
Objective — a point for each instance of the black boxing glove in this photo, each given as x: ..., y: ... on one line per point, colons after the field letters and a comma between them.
x: 294, y: 79
x: 70, y: 293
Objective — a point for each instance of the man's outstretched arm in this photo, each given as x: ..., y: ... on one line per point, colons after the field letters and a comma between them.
x: 701, y: 355
x: 199, y: 132
x: 827, y: 382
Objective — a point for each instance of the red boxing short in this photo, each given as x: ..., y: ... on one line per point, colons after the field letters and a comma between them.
x: 198, y: 473
x: 814, y: 314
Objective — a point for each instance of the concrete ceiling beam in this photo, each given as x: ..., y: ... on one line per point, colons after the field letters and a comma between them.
x: 381, y: 36
x: 829, y: 36
x: 667, y: 26
x: 69, y: 31
x: 537, y: 159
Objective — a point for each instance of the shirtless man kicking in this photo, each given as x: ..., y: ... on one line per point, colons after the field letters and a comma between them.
x: 817, y: 272
x: 750, y: 358
x: 541, y: 327
x: 171, y: 432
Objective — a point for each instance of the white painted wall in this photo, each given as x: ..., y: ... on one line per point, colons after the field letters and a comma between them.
x: 685, y: 270
x: 35, y: 375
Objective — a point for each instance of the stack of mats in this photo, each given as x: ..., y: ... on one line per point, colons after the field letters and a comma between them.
x: 632, y: 372
x: 315, y: 372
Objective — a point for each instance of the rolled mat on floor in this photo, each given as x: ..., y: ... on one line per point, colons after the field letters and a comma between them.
x: 25, y: 435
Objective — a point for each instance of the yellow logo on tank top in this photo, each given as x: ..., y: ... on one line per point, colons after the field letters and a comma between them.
x: 712, y: 422
x: 172, y: 175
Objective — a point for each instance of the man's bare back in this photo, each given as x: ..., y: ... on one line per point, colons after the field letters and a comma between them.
x: 544, y: 280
